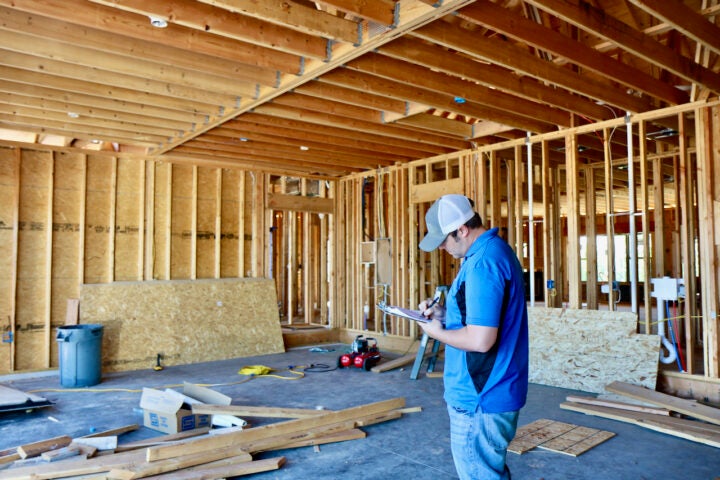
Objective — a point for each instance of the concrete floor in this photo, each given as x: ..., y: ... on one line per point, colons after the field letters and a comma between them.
x: 415, y: 446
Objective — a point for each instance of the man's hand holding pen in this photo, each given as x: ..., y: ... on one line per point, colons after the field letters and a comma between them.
x: 434, y: 311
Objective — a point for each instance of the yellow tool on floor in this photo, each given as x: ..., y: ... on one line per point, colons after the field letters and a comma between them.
x: 262, y: 370
x: 158, y: 366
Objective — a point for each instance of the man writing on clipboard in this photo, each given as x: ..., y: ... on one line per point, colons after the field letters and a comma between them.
x: 485, y: 331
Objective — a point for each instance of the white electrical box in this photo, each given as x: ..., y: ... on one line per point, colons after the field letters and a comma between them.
x: 669, y: 289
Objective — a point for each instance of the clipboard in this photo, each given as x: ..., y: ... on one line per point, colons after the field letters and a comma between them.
x: 414, y: 315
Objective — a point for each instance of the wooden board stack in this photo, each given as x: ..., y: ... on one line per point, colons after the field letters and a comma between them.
x: 217, y: 453
x: 702, y: 427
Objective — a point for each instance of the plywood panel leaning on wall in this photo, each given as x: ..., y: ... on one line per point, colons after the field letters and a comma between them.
x: 587, y: 349
x: 187, y: 321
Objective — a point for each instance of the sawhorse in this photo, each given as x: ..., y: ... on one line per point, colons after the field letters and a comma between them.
x: 420, y: 357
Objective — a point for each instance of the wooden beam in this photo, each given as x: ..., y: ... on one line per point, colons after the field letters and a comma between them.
x: 282, y: 428
x: 278, y: 201
x: 691, y: 408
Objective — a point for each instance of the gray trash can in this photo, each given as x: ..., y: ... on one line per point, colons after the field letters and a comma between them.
x: 80, y: 354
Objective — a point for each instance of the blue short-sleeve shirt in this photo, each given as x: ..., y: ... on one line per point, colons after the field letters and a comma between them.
x: 488, y: 291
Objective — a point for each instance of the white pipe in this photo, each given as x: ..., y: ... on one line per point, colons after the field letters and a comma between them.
x: 531, y: 230
x: 633, y: 233
x: 672, y: 352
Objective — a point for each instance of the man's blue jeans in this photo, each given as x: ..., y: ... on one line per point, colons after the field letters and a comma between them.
x: 479, y: 443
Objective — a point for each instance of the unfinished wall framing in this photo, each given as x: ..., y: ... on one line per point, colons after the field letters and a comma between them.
x: 540, y: 198
x: 69, y: 219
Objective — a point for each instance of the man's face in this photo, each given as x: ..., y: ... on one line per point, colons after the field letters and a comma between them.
x: 454, y: 244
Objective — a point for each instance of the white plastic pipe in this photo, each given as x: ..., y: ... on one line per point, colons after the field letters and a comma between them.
x: 671, y: 355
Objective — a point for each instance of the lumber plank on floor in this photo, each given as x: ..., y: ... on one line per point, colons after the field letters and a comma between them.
x: 254, y: 411
x: 150, y: 442
x: 223, y: 471
x: 275, y: 429
x: 147, y: 469
x: 342, y: 436
x: 680, y: 405
x: 693, y: 430
x: 114, y: 431
x: 72, y: 466
x: 615, y: 404
x: 34, y: 449
x: 395, y: 363
x: 577, y: 441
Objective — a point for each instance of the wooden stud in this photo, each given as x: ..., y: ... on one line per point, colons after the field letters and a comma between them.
x: 591, y: 234
x: 218, y: 223
x: 48, y: 261
x: 112, y: 220
x: 645, y: 224
x: 149, y: 223
x: 708, y: 158
x: 573, y: 220
x: 609, y: 218
x: 495, y: 203
x: 518, y: 204
x: 687, y: 238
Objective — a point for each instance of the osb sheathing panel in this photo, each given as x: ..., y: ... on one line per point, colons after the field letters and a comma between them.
x: 32, y: 292
x: 186, y: 321
x: 588, y: 349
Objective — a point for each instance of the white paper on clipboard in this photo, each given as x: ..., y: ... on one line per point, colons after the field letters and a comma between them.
x: 414, y: 315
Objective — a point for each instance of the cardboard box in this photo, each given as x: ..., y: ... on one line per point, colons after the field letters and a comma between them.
x: 169, y: 411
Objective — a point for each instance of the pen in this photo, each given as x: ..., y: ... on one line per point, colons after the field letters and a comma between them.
x: 435, y: 300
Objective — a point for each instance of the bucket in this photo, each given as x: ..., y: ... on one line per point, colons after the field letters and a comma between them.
x: 80, y: 354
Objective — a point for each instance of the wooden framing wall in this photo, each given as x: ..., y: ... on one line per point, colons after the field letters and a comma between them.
x: 496, y: 177
x: 68, y: 219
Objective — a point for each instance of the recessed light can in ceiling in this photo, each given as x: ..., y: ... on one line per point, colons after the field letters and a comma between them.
x: 304, y: 148
x: 158, y: 22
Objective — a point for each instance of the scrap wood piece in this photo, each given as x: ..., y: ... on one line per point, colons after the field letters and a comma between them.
x: 35, y: 449
x: 373, y: 419
x: 9, y: 457
x: 74, y: 466
x: 61, y: 453
x: 692, y: 430
x: 113, y: 431
x: 150, y: 442
x: 533, y: 434
x: 289, y: 427
x: 336, y: 437
x: 395, y: 363
x: 146, y: 469
x: 226, y: 470
x: 577, y: 441
x: 676, y: 404
x: 255, y: 411
x: 100, y: 443
x: 615, y: 404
